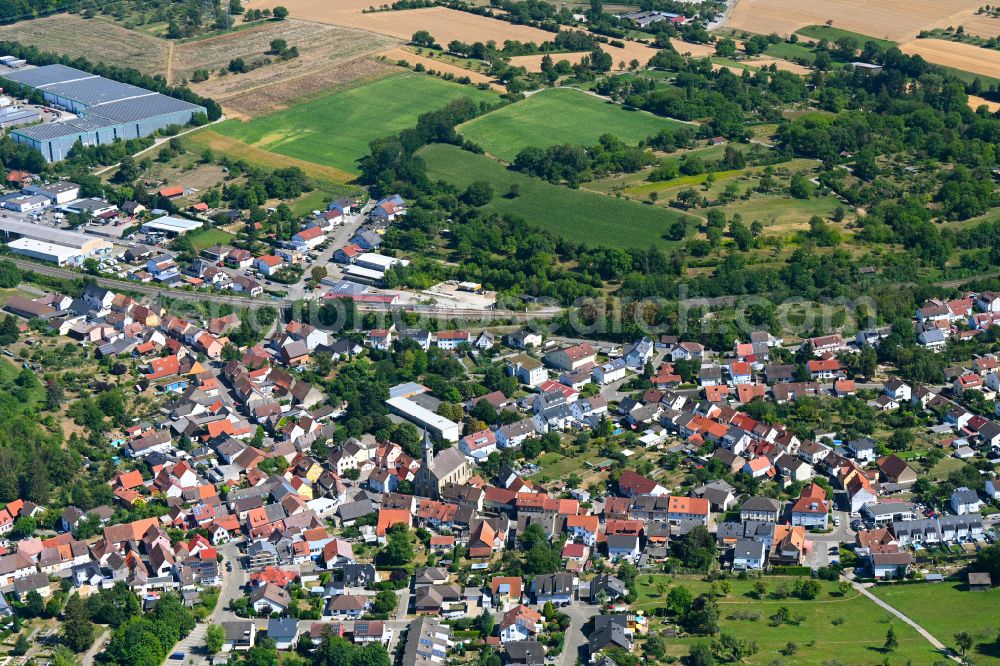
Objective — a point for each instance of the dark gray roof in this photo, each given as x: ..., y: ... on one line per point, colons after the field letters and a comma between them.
x: 529, y: 653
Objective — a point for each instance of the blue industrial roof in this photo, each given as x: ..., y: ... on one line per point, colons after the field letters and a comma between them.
x: 140, y: 108
x: 95, y: 90
x: 46, y: 75
x: 49, y: 131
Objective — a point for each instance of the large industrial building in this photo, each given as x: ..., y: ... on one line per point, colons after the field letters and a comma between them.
x: 106, y: 110
x: 48, y: 244
x: 170, y: 225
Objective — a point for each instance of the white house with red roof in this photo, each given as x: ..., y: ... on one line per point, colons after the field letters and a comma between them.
x: 268, y: 264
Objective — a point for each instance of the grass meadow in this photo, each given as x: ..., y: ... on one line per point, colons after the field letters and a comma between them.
x: 335, y: 129
x: 579, y: 215
x: 558, y: 116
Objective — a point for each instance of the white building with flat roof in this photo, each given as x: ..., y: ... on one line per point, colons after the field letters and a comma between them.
x: 424, y: 418
x: 377, y: 262
x: 58, y: 193
x: 170, y: 225
x: 88, y: 246
x: 61, y: 255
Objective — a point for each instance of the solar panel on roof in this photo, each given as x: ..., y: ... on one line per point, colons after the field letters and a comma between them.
x: 47, y: 75
x: 96, y: 90
x: 140, y: 108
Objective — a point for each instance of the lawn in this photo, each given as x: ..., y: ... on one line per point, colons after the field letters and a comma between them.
x: 831, y: 34
x: 557, y: 116
x: 581, y: 216
x: 209, y: 236
x: 945, y: 609
x: 786, y: 211
x: 335, y: 129
x: 849, y: 629
x: 793, y: 52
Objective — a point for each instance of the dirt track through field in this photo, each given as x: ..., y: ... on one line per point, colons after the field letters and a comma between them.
x: 897, y: 20
x: 966, y: 57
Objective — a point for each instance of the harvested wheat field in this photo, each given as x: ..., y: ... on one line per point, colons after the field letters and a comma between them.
x: 784, y: 65
x: 263, y: 99
x: 443, y: 23
x: 397, y: 54
x: 966, y: 57
x: 328, y: 55
x: 895, y: 20
x: 533, y: 63
x: 976, y: 102
x: 980, y: 25
x: 104, y: 42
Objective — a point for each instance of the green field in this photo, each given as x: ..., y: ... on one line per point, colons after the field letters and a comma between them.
x: 557, y: 116
x: 207, y: 237
x: 945, y: 609
x: 831, y: 34
x: 581, y: 216
x: 793, y: 52
x: 335, y: 129
x: 849, y: 629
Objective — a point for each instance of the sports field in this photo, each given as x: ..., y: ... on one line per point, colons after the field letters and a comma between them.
x: 579, y: 215
x: 335, y: 129
x: 557, y: 116
x: 945, y: 609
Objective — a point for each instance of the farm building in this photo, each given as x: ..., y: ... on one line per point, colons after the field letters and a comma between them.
x: 108, y: 110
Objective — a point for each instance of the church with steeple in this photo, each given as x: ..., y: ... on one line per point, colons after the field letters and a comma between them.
x: 447, y: 466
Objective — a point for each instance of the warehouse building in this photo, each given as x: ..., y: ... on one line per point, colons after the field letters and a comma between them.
x: 60, y: 255
x: 58, y: 193
x: 15, y: 116
x: 170, y: 225
x: 82, y: 245
x: 108, y: 110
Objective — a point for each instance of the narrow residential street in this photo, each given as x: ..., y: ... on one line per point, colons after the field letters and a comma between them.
x: 575, y: 649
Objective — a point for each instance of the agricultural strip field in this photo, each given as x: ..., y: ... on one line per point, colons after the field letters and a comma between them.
x: 832, y: 34
x: 944, y: 609
x: 98, y: 40
x: 446, y: 24
x: 581, y: 216
x: 440, y: 65
x: 981, y: 25
x: 894, y: 20
x: 847, y: 629
x: 327, y: 57
x: 557, y: 116
x: 956, y: 55
x: 208, y: 138
x: 335, y: 129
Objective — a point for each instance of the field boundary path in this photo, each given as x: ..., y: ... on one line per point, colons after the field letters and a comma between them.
x: 97, y: 647
x: 941, y: 647
x: 170, y: 63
